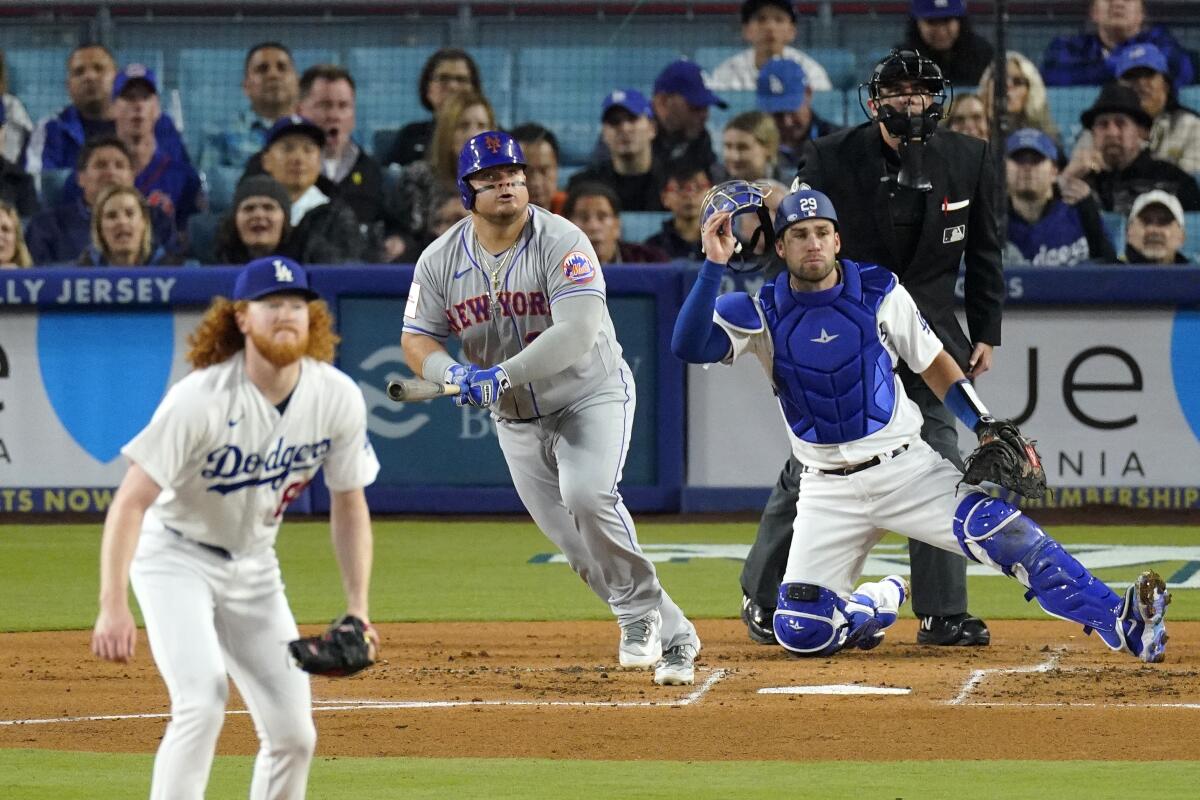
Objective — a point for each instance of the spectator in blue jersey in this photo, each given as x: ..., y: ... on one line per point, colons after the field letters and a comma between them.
x: 1081, y: 60
x: 1043, y: 229
x: 272, y: 86
x: 629, y: 166
x: 783, y: 92
x: 1118, y: 167
x: 1156, y: 230
x: 121, y: 232
x: 57, y: 140
x: 166, y: 182
x: 57, y: 235
x: 683, y: 196
x: 941, y: 31
x: 596, y: 210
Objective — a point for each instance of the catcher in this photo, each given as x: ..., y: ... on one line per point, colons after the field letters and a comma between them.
x: 829, y: 333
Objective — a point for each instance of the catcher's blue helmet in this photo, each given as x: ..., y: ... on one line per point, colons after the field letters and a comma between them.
x: 742, y: 197
x: 803, y: 204
x: 488, y: 149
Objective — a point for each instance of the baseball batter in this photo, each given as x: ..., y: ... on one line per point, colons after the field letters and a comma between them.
x: 194, y: 522
x: 522, y: 290
x: 829, y: 333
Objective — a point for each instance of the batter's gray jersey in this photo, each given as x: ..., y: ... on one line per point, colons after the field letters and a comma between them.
x: 497, y: 305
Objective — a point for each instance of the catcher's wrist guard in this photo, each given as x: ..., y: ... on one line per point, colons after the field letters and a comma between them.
x: 348, y: 646
x: 1007, y: 458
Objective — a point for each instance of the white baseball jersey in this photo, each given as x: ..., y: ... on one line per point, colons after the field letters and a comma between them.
x: 229, y: 463
x: 903, y: 332
x: 498, y: 304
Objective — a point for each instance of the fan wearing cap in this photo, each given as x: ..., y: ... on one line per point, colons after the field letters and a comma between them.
x: 1044, y: 230
x: 769, y: 27
x: 1083, y: 59
x: 627, y: 129
x: 194, y: 523
x: 57, y: 140
x: 1174, y: 130
x: 324, y: 229
x: 681, y: 102
x: 1118, y: 167
x: 165, y: 181
x: 941, y: 30
x: 1157, y: 230
x: 783, y: 92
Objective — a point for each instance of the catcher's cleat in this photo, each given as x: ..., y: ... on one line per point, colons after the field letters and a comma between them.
x: 758, y: 621
x: 641, y: 642
x: 959, y: 630
x: 1141, y: 625
x: 678, y: 666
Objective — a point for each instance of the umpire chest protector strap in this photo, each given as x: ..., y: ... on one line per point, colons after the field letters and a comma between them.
x: 831, y: 372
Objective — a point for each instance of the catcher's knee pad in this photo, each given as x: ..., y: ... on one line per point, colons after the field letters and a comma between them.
x: 808, y: 621
x: 994, y: 532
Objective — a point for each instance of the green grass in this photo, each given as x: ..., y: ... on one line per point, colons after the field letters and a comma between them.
x: 476, y: 571
x: 44, y: 775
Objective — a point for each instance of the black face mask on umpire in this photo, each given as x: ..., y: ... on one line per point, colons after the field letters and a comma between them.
x: 900, y: 71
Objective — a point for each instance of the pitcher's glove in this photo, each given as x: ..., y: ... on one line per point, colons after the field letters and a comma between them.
x: 1006, y: 457
x: 347, y: 646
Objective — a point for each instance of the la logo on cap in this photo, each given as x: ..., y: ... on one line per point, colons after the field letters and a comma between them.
x: 776, y: 84
x: 618, y: 96
x: 283, y: 274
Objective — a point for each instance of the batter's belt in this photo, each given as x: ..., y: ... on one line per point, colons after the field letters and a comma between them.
x: 853, y: 468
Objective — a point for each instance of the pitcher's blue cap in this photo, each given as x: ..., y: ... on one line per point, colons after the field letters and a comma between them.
x: 271, y: 275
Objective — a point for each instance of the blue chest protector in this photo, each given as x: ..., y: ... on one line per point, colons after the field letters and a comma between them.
x: 831, y: 371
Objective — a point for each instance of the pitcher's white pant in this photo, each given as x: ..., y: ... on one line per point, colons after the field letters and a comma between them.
x: 207, y: 616
x: 840, y: 518
x: 566, y: 467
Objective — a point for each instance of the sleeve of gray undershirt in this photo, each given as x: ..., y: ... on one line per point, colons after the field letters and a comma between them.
x: 577, y: 322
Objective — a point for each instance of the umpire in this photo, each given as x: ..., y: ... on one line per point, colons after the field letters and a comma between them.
x: 918, y: 204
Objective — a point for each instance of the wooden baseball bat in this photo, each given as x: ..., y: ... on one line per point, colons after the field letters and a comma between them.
x: 411, y: 390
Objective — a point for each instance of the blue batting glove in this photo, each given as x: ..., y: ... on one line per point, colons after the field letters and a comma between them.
x: 457, y: 374
x: 484, y: 386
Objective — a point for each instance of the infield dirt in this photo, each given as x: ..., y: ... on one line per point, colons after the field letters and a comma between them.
x: 1042, y: 690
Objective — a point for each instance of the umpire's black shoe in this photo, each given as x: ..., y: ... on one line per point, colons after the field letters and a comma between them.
x: 760, y: 622
x: 961, y: 630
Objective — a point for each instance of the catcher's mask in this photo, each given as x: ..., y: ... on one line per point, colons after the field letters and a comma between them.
x: 743, y: 197
x: 908, y: 69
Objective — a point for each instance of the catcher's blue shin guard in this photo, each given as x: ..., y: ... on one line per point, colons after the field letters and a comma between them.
x: 994, y: 532
x: 807, y: 621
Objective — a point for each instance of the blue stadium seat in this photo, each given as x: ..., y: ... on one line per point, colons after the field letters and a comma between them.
x: 220, y: 182
x: 36, y: 75
x: 835, y: 106
x: 382, y: 141
x: 709, y: 58
x: 202, y: 236
x: 840, y: 64
x: 52, y: 182
x: 562, y: 87
x: 1190, y: 97
x: 1191, y: 246
x: 637, y: 226
x: 1066, y: 104
x: 739, y: 102
x: 1115, y: 223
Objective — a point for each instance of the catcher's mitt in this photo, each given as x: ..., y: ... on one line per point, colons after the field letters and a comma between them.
x: 1007, y: 458
x: 346, y: 647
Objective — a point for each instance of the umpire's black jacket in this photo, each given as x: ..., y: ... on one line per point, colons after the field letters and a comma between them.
x: 959, y: 221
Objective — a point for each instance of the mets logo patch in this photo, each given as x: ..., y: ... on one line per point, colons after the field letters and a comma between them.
x: 578, y: 268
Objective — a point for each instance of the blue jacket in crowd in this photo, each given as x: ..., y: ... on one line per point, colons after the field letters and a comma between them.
x: 57, y: 140
x: 1081, y: 60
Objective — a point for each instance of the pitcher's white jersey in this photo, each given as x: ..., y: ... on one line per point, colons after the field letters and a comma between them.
x: 497, y: 305
x: 228, y: 462
x: 904, y: 334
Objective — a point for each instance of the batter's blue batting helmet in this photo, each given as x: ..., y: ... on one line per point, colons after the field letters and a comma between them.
x: 803, y: 204
x: 488, y: 149
x: 740, y: 197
